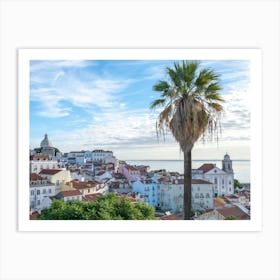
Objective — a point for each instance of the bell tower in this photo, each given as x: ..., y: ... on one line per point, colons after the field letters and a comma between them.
x: 227, y: 164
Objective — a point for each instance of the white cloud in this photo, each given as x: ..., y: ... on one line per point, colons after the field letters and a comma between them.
x: 52, y: 65
x: 56, y: 89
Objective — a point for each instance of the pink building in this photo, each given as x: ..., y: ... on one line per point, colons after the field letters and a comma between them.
x: 130, y: 172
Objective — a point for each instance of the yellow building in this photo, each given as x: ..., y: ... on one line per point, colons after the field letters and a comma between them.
x: 56, y: 176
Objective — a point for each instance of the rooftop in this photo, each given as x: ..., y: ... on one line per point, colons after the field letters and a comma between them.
x: 233, y: 211
x: 49, y: 171
x: 207, y: 167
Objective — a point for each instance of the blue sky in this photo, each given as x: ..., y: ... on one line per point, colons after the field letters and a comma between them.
x: 89, y: 104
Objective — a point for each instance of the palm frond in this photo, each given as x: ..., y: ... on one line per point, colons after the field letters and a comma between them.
x: 157, y: 103
x: 161, y: 86
x: 192, y: 103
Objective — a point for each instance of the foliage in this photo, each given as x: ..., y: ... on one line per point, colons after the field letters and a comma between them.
x: 108, y: 207
x: 231, y: 217
x: 237, y: 184
x: 56, y: 150
x: 38, y: 150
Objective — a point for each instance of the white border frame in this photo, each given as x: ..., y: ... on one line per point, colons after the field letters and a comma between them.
x: 24, y: 57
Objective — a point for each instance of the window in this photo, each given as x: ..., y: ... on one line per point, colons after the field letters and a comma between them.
x: 229, y: 182
x: 196, y: 195
x: 38, y: 202
x: 207, y: 195
x: 38, y: 191
x: 44, y: 191
x: 201, y: 195
x: 223, y: 181
x: 215, y: 181
x: 32, y: 192
x: 50, y: 190
x: 88, y: 190
x: 198, y: 188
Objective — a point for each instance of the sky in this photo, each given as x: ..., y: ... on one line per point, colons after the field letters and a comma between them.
x: 105, y: 104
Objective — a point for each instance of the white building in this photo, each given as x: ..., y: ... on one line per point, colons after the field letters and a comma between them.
x: 100, y: 155
x: 40, y: 191
x: 148, y: 189
x: 171, y: 195
x: 222, y: 179
x: 202, y: 195
x: 76, y: 157
x: 40, y: 162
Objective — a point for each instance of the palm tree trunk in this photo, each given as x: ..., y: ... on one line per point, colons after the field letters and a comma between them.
x: 187, y: 183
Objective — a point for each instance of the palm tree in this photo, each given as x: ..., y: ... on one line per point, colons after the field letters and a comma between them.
x: 191, y: 107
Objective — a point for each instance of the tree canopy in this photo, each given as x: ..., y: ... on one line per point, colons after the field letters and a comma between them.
x: 237, y: 185
x: 107, y: 207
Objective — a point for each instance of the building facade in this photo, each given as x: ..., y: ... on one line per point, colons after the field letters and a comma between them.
x: 222, y: 179
x: 171, y: 195
x: 40, y: 162
x: 40, y: 192
x: 148, y: 189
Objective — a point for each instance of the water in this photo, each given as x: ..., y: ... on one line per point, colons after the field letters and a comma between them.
x: 241, y: 168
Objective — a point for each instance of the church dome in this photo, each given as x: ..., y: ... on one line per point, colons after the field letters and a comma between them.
x: 46, y: 142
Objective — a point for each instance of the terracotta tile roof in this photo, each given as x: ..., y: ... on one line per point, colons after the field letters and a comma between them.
x: 83, y: 185
x: 233, y: 211
x: 91, y: 197
x: 70, y: 193
x: 35, y: 177
x: 219, y: 202
x: 206, y: 167
x: 39, y: 157
x: 49, y: 171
